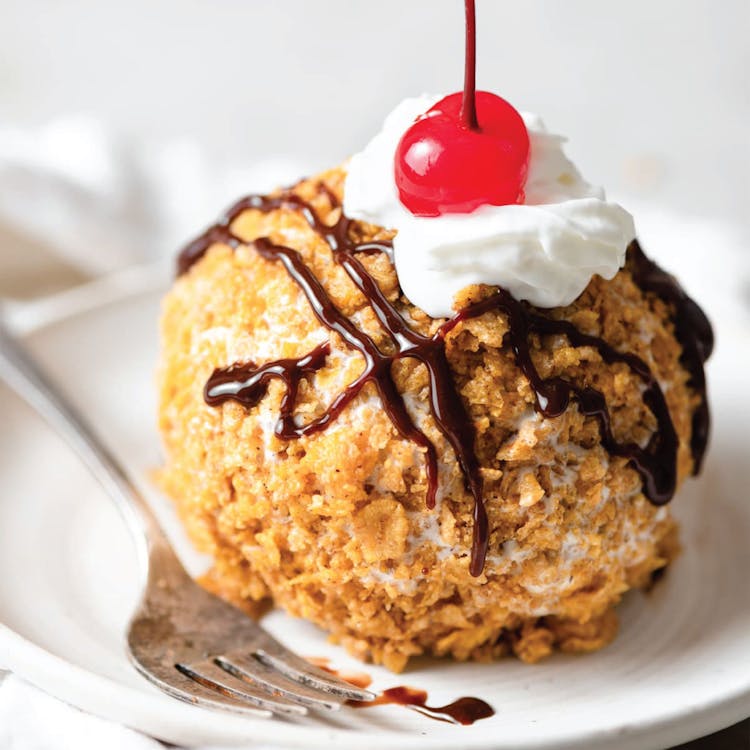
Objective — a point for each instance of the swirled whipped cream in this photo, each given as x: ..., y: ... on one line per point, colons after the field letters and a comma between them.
x: 544, y: 251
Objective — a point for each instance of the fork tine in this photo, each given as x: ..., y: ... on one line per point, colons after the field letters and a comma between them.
x: 250, y: 668
x: 210, y: 675
x: 295, y: 668
x: 189, y: 691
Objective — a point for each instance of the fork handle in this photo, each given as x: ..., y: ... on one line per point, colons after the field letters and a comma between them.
x: 28, y: 380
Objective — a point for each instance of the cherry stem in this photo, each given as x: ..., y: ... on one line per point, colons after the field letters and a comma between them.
x: 469, y: 104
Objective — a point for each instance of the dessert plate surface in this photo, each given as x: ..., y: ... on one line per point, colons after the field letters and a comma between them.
x: 680, y: 667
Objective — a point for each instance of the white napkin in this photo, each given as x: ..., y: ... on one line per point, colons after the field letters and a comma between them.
x: 77, y: 200
x: 32, y: 720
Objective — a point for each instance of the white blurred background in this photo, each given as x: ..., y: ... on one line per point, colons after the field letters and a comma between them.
x: 195, y: 101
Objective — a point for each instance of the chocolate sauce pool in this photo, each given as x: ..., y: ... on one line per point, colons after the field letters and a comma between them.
x: 465, y: 710
x: 246, y: 383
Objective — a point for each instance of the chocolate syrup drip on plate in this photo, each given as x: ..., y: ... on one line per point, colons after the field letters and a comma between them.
x: 464, y: 711
x: 692, y: 330
x: 246, y: 383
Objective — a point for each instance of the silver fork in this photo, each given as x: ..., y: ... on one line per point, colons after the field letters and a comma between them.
x: 191, y: 644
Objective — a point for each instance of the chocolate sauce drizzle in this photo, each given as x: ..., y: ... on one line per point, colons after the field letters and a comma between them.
x: 246, y: 383
x: 656, y: 463
x: 241, y: 382
x: 694, y: 333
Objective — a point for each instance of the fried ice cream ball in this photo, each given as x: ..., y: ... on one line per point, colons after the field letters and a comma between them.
x: 333, y: 526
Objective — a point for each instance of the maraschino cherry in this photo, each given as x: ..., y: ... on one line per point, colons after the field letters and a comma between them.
x: 469, y: 150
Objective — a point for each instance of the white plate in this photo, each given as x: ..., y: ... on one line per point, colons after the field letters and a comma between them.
x: 680, y: 667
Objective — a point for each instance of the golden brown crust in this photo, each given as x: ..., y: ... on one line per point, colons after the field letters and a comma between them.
x: 333, y: 525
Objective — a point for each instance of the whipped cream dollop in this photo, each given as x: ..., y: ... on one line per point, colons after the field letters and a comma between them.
x: 544, y: 251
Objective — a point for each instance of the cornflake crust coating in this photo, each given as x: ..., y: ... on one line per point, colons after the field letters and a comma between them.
x: 333, y: 526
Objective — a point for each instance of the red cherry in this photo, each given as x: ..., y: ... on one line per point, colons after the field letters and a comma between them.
x: 443, y: 166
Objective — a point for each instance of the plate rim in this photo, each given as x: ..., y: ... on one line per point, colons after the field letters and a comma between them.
x: 90, y: 691
x: 93, y: 690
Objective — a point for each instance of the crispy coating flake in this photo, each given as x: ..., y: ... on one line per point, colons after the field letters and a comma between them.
x: 333, y: 526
